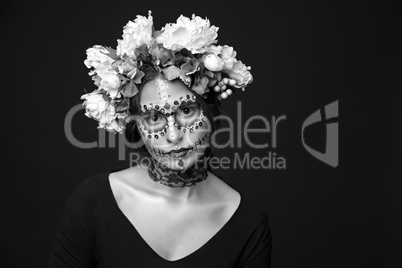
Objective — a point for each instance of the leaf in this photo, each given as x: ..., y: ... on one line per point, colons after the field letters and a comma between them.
x: 200, y: 86
x: 122, y: 106
x: 105, y: 97
x: 129, y: 90
x: 155, y: 34
x: 190, y: 67
x: 171, y: 72
x: 112, y: 53
x: 186, y: 52
x: 116, y: 63
x: 137, y: 78
x: 141, y: 50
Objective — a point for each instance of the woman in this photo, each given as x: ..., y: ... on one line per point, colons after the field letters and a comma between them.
x: 171, y: 211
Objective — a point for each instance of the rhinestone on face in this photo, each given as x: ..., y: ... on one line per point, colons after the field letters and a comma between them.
x: 157, y: 107
x: 176, y: 103
x: 200, y: 123
x: 188, y: 96
x: 149, y: 136
x: 156, y: 136
x: 167, y: 106
x: 162, y: 133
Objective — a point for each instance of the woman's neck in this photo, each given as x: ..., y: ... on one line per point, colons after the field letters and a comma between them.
x: 177, y: 178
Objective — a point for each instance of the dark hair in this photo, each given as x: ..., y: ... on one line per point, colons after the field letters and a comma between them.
x: 210, y: 105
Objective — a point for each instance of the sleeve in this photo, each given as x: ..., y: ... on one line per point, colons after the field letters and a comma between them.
x: 259, y: 247
x: 73, y: 246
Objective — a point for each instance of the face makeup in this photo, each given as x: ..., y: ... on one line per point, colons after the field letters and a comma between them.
x: 173, y: 125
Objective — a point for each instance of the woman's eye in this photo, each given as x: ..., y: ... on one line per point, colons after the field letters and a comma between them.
x: 153, y: 119
x: 186, y: 110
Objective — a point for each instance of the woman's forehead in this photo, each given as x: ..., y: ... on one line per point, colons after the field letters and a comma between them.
x: 163, y: 91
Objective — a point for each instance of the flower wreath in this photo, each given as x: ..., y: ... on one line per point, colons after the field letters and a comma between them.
x: 184, y: 50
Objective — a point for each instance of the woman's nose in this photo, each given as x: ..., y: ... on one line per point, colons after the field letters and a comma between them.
x: 173, y: 134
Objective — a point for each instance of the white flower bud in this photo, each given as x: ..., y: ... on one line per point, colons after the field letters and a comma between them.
x: 213, y: 63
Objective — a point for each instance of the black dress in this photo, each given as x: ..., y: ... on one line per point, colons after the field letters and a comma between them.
x: 94, y: 232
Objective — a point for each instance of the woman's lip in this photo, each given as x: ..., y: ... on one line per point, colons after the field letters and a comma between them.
x: 181, y: 154
x: 178, y: 151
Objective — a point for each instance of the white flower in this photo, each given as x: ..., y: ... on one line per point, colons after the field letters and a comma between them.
x: 241, y: 74
x: 135, y: 34
x: 98, y: 59
x: 95, y: 104
x: 194, y: 34
x: 111, y: 83
x: 103, y: 111
x: 213, y: 63
x: 212, y: 49
x: 228, y: 55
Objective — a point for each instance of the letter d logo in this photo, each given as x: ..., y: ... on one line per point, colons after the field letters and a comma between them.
x: 330, y: 156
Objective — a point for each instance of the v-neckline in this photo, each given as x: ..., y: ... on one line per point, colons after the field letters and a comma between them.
x: 132, y: 228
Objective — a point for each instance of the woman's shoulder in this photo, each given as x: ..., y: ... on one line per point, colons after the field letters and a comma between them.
x: 130, y: 177
x: 90, y: 189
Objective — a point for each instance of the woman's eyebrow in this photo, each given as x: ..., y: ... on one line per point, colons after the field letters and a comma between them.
x: 150, y: 111
x: 188, y: 103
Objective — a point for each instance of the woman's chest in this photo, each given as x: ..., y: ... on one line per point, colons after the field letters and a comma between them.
x: 174, y: 233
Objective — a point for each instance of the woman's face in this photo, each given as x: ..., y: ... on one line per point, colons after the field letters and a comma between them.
x: 173, y: 125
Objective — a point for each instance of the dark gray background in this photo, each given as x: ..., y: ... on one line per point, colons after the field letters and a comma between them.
x: 304, y: 55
